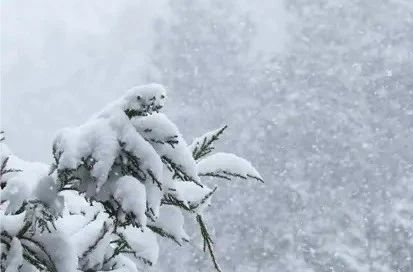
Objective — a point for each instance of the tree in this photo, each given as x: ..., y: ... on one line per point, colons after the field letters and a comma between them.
x: 203, y: 52
x: 340, y: 100
x: 117, y: 183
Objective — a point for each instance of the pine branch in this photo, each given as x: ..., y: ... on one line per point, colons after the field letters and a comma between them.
x: 171, y: 140
x: 115, y: 211
x: 109, y: 209
x: 170, y: 199
x: 25, y: 228
x: 4, y: 171
x: 4, y: 241
x: 154, y: 179
x: 214, y: 174
x: 205, y: 147
x: 3, y: 166
x: 68, y: 176
x: 146, y: 108
x: 207, y: 241
x: 122, y: 246
x: 165, y: 234
x: 30, y: 256
x: 103, y: 232
x: 39, y: 215
x: 229, y: 175
x: 57, y: 154
x: 178, y: 172
x: 204, y: 199
x: 129, y: 163
x: 37, y: 260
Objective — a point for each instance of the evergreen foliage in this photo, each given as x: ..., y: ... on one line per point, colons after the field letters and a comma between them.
x: 116, y: 183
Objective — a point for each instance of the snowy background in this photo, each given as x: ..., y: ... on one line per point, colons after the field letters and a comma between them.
x: 317, y: 94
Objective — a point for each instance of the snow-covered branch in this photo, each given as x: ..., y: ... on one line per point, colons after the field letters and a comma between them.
x: 117, y: 182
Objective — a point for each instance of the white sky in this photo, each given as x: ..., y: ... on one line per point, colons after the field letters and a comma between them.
x: 63, y: 60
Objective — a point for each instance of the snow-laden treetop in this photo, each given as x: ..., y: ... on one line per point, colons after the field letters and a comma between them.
x: 117, y: 182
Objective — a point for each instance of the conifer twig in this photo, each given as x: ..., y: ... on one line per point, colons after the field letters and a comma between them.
x: 205, y: 147
x: 207, y: 241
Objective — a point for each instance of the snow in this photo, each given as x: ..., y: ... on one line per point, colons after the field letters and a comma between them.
x: 149, y: 160
x: 128, y: 162
x: 124, y: 264
x: 94, y: 233
x: 403, y: 212
x: 101, y: 136
x: 328, y: 122
x: 157, y: 129
x: 130, y: 194
x: 95, y: 138
x: 21, y: 186
x: 46, y: 191
x: 4, y: 151
x: 206, y: 137
x: 14, y: 256
x: 145, y: 98
x: 12, y: 224
x: 60, y: 248
x: 171, y: 221
x: 136, y: 144
x: 193, y: 194
x: 143, y: 242
x: 77, y: 214
x: 16, y: 192
x: 227, y: 164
